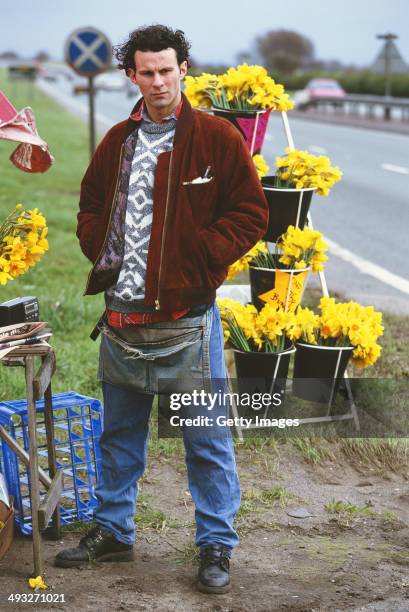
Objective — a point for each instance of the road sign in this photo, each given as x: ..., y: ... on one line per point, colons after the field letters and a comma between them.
x: 22, y: 72
x: 390, y: 56
x: 88, y: 51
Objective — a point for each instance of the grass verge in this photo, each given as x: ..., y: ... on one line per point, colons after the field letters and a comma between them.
x: 58, y: 280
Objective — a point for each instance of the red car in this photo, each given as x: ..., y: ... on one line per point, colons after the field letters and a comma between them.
x: 318, y: 88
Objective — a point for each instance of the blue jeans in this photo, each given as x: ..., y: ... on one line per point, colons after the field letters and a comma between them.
x: 210, y: 461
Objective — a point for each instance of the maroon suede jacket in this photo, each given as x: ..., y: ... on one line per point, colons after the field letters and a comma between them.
x: 198, y: 230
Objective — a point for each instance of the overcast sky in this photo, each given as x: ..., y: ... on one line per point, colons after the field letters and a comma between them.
x: 343, y: 29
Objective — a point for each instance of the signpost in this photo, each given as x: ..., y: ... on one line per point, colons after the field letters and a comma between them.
x: 389, y: 61
x: 22, y: 72
x: 89, y: 52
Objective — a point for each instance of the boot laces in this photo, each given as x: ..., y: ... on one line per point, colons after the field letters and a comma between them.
x: 92, y: 538
x: 215, y: 556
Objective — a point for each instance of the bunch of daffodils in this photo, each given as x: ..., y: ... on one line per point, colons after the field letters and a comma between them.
x: 22, y: 242
x: 297, y: 249
x: 341, y: 324
x: 301, y: 248
x: 242, y: 88
x: 247, y: 330
x: 272, y: 324
x: 305, y: 326
x: 300, y: 170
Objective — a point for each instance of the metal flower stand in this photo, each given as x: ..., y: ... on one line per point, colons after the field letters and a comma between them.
x: 352, y: 413
x: 38, y: 386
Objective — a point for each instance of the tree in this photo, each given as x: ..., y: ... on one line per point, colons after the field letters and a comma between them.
x: 246, y: 57
x: 284, y: 51
x: 9, y: 55
x: 42, y: 56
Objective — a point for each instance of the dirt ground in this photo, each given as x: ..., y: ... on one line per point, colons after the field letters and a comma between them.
x: 351, y: 555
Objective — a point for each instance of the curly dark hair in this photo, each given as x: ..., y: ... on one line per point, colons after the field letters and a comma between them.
x: 151, y: 38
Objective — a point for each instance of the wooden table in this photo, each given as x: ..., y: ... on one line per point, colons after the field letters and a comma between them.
x: 38, y: 386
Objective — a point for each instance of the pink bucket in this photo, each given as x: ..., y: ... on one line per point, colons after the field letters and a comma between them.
x: 251, y: 124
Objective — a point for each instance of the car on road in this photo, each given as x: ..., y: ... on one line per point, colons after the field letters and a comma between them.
x: 111, y: 81
x: 316, y: 89
x: 48, y: 74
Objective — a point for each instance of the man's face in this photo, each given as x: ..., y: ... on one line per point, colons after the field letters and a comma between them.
x: 158, y: 76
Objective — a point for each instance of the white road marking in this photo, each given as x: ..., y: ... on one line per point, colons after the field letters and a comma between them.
x: 317, y: 149
x: 393, y: 168
x: 368, y: 267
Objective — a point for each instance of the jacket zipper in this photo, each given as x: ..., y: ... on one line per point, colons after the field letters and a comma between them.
x: 109, y: 221
x: 157, y: 303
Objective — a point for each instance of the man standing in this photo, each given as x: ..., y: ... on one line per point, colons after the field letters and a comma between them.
x: 170, y: 199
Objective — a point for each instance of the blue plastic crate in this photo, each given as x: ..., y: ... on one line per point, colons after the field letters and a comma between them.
x: 77, y: 429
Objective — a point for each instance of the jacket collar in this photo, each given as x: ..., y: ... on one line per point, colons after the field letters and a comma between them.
x: 139, y: 114
x: 183, y: 125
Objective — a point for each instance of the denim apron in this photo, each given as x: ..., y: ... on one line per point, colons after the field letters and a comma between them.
x: 158, y: 358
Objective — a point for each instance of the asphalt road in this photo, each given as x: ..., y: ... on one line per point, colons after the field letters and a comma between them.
x: 366, y: 216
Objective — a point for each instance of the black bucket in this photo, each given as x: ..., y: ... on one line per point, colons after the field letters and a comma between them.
x: 261, y: 280
x: 319, y: 370
x: 286, y: 207
x: 257, y: 371
x: 264, y: 279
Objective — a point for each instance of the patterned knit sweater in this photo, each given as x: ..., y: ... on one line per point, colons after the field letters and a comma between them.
x: 153, y: 139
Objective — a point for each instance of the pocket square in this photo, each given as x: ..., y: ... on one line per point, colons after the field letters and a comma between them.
x: 199, y: 180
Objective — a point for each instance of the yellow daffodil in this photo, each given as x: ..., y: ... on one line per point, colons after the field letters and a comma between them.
x: 301, y: 169
x: 243, y: 263
x: 353, y: 324
x: 302, y: 248
x: 304, y: 326
x: 338, y: 324
x: 341, y: 324
x: 243, y: 88
x: 22, y: 242
x: 261, y: 165
x: 37, y: 583
x: 248, y: 330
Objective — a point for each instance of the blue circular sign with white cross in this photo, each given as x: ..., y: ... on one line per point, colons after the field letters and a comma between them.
x: 88, y: 51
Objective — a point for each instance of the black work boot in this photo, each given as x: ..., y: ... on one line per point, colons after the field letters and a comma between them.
x: 213, y: 576
x: 98, y: 545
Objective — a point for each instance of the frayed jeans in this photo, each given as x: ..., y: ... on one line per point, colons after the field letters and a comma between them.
x: 210, y: 461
